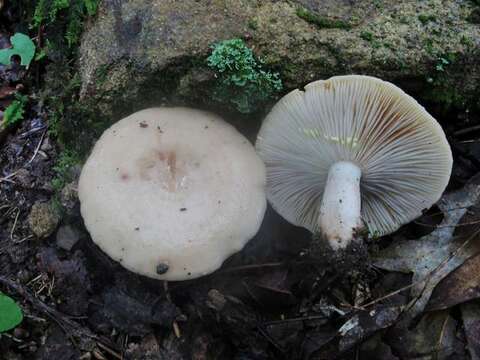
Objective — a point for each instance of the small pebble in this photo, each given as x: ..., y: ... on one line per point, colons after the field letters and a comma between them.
x: 162, y: 268
x: 67, y: 237
x: 21, y: 333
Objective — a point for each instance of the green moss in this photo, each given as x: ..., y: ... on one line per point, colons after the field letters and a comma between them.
x: 252, y: 24
x: 322, y: 21
x: 366, y: 35
x: 426, y: 18
x: 467, y: 41
x: 64, y: 169
x: 474, y: 16
x: 102, y: 74
x: 64, y: 18
x: 241, y: 78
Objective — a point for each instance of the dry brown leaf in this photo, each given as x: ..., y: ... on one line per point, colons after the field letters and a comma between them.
x: 459, y: 286
x: 432, y: 257
x: 6, y: 91
x: 434, y: 337
x: 471, y: 324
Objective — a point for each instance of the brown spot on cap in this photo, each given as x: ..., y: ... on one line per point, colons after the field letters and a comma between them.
x: 328, y: 85
x: 143, y: 124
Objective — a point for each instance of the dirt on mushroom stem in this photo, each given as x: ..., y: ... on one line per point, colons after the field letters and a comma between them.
x: 352, y: 259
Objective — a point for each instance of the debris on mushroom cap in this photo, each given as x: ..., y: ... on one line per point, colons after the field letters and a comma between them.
x: 170, y: 193
x: 401, y: 151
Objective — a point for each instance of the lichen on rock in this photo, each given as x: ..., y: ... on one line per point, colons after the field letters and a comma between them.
x: 43, y: 219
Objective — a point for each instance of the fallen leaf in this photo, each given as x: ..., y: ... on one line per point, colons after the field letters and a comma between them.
x: 434, y: 337
x: 271, y: 289
x: 471, y: 324
x: 376, y: 349
x: 461, y: 285
x: 238, y: 321
x: 365, y: 323
x: 7, y: 91
x: 434, y: 256
x: 360, y: 326
x: 286, y: 334
x: 315, y: 340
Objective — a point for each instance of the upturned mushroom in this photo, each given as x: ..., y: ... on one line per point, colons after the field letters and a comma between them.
x: 170, y: 193
x: 352, y: 153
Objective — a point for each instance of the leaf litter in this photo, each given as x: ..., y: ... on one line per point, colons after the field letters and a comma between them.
x: 432, y: 257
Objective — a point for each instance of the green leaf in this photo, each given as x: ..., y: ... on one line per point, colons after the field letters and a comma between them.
x: 22, y: 46
x: 10, y: 313
x: 14, y: 112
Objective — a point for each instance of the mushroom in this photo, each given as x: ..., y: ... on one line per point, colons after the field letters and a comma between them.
x: 170, y: 193
x: 351, y: 153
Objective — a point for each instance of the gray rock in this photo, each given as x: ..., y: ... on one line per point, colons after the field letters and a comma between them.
x: 43, y: 219
x: 139, y: 52
x: 67, y: 237
x: 69, y: 196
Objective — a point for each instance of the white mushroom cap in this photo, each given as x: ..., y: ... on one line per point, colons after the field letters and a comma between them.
x: 172, y: 188
x: 400, y: 149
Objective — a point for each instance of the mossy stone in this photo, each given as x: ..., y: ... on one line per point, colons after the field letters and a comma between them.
x: 141, y: 53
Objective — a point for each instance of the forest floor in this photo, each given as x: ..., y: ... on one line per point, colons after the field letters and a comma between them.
x: 416, y: 299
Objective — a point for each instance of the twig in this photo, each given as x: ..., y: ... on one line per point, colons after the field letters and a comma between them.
x: 14, y: 224
x: 389, y: 295
x: 110, y: 351
x: 7, y: 178
x: 38, y: 147
x: 70, y: 327
x: 466, y: 130
x: 297, y: 319
x: 447, y: 226
x: 427, y: 277
x: 270, y: 339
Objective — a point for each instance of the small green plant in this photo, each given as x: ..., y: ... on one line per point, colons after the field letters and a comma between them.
x: 444, y: 60
x: 71, y: 13
x: 441, y: 87
x: 63, y: 169
x: 242, y: 81
x: 322, y: 21
x: 14, y: 112
x: 22, y: 46
x: 10, y: 313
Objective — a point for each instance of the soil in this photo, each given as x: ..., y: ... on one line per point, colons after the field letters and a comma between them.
x: 270, y: 301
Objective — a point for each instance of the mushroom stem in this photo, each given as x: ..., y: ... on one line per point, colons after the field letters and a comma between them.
x: 340, y: 217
